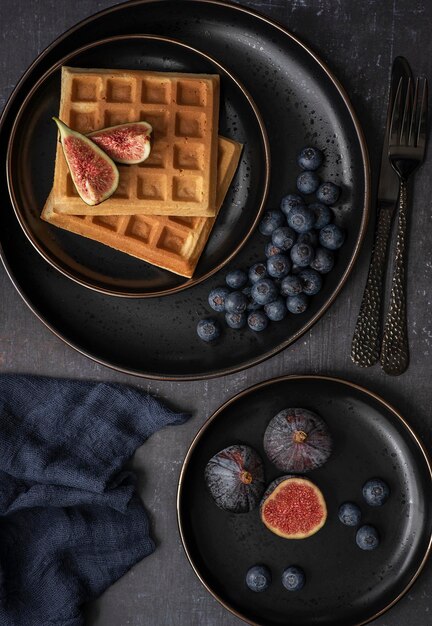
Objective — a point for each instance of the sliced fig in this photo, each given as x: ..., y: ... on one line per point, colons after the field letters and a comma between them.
x: 94, y: 174
x: 126, y: 143
x: 235, y: 479
x: 293, y: 508
x: 297, y: 440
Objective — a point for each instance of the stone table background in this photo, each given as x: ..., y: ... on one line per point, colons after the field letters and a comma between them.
x: 358, y: 40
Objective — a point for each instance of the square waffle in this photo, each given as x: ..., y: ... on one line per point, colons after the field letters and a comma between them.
x: 179, y: 177
x: 173, y: 243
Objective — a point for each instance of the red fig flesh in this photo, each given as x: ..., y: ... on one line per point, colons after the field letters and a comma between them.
x: 93, y: 173
x: 293, y: 508
x: 126, y: 143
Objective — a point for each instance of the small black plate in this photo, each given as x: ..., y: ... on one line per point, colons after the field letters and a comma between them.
x: 345, y: 585
x: 300, y: 101
x: 31, y: 157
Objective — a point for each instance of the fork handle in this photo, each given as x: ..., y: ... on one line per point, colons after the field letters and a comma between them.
x: 365, y: 349
x: 394, y: 352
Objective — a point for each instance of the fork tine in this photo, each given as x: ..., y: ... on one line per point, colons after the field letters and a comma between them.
x: 414, y: 115
x: 395, y: 116
x: 422, y: 124
x: 406, y: 117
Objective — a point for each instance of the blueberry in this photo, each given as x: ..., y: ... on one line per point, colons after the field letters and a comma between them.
x: 276, y: 310
x: 235, y: 320
x: 284, y: 238
x: 293, y: 578
x: 302, y: 254
x: 376, y: 492
x: 331, y: 237
x: 310, y: 158
x: 291, y: 286
x: 208, y: 329
x: 271, y: 249
x: 301, y: 219
x: 291, y: 201
x: 308, y: 182
x: 257, y: 271
x: 311, y: 281
x: 323, y: 214
x: 297, y: 304
x: 310, y: 237
x: 257, y: 321
x: 271, y: 220
x: 328, y: 193
x: 235, y: 302
x: 367, y: 537
x: 252, y: 305
x: 349, y: 514
x: 323, y: 261
x: 217, y: 298
x: 236, y: 279
x: 278, y: 266
x: 264, y: 291
x: 258, y: 578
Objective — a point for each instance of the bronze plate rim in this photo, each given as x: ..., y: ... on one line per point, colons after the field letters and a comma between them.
x: 361, y: 236
x: 252, y: 389
x: 88, y: 283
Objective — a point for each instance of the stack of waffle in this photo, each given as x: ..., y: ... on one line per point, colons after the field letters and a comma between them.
x: 164, y: 208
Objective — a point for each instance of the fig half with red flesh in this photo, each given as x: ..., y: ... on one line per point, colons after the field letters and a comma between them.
x: 293, y: 508
x: 235, y: 478
x: 128, y: 143
x: 93, y: 172
x: 297, y: 440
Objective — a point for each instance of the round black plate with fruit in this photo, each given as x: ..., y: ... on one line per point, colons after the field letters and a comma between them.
x: 308, y: 501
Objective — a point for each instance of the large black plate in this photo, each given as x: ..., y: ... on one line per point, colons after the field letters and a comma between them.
x: 31, y: 158
x: 345, y: 586
x: 292, y: 89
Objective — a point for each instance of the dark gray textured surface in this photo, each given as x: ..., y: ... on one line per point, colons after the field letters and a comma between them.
x: 358, y: 40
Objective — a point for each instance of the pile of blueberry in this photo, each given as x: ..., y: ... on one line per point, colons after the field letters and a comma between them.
x: 375, y: 493
x: 301, y: 250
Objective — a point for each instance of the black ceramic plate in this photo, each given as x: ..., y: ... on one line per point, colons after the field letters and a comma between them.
x: 292, y: 89
x: 345, y: 585
x: 31, y: 159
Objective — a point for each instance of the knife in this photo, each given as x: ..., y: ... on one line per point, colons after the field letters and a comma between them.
x: 365, y: 349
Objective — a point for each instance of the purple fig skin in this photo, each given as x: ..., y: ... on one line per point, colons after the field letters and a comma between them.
x: 235, y: 479
x: 297, y: 440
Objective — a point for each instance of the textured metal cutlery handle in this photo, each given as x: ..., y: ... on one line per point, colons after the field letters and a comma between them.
x: 394, y: 352
x: 365, y: 349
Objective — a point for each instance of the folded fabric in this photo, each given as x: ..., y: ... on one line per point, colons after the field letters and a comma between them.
x: 71, y: 522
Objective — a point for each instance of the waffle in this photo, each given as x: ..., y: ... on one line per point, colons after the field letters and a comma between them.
x: 173, y: 243
x: 179, y: 177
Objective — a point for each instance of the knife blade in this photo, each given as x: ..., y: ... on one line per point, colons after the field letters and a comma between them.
x: 388, y: 182
x: 366, y: 343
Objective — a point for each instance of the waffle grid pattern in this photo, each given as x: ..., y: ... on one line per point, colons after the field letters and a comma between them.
x: 179, y: 177
x: 174, y: 243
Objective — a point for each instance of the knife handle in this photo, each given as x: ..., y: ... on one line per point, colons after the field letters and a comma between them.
x: 365, y: 349
x: 395, y: 353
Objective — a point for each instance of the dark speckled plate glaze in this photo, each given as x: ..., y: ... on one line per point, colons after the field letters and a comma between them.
x: 345, y: 585
x: 32, y: 150
x: 300, y: 102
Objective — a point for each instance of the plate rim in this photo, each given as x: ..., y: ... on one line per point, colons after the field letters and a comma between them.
x: 67, y: 271
x: 249, y: 390
x: 363, y: 226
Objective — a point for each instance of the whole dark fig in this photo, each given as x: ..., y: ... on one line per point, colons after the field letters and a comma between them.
x: 297, y: 440
x: 235, y: 479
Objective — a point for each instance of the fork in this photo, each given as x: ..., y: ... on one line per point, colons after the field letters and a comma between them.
x: 407, y: 144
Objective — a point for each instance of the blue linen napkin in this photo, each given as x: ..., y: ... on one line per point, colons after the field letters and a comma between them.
x: 71, y: 522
